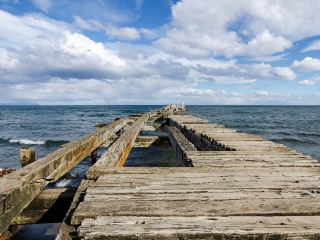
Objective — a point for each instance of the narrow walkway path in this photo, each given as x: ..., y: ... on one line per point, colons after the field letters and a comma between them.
x: 241, y: 186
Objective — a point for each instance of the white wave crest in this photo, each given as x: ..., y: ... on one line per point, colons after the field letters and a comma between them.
x: 64, y: 183
x: 27, y: 141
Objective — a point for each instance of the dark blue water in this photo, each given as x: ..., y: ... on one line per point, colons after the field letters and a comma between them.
x: 47, y: 127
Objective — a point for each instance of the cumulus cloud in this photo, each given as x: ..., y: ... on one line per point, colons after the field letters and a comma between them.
x: 285, y: 73
x: 51, y: 49
x: 264, y: 27
x: 308, y: 64
x: 58, y: 64
x: 30, y: 29
x: 81, y: 48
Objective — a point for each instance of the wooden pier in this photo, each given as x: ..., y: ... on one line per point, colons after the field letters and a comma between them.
x: 229, y: 185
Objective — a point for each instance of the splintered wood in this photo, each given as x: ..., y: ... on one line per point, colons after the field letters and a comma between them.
x: 241, y: 187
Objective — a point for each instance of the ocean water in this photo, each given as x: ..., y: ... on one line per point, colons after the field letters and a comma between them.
x: 47, y: 127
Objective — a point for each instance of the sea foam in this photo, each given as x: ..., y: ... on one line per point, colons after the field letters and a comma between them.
x: 27, y: 141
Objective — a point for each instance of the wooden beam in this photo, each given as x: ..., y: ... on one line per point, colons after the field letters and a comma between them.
x: 49, y: 206
x: 66, y: 229
x: 181, y: 145
x: 202, y: 142
x: 19, y: 188
x: 118, y: 152
x: 27, y: 156
x: 169, y: 228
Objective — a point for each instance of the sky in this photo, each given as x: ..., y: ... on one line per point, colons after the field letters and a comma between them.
x: 246, y: 52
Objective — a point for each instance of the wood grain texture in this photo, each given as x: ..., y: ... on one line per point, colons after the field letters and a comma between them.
x: 20, y: 187
x: 131, y: 227
x: 181, y: 145
x: 241, y: 187
x: 117, y: 153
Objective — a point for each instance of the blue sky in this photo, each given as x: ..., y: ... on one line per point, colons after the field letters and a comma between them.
x: 159, y: 51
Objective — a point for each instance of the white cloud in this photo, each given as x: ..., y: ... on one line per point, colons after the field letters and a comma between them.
x: 266, y: 43
x: 57, y: 64
x: 264, y: 27
x: 44, y: 5
x: 115, y: 32
x: 7, y: 61
x: 91, y: 25
x: 310, y: 82
x: 314, y: 46
x: 29, y: 30
x: 308, y: 64
x: 262, y: 93
x: 83, y: 49
x: 284, y: 73
x: 51, y: 49
x: 123, y: 33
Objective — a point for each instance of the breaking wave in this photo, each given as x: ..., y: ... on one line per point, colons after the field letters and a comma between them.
x: 25, y: 141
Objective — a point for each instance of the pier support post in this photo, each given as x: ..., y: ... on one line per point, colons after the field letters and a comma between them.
x: 27, y: 156
x: 94, y: 156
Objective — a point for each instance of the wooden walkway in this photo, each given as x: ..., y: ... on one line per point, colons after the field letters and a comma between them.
x: 250, y: 188
x: 230, y: 186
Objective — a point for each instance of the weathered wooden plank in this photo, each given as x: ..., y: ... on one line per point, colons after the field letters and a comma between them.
x: 250, y: 156
x: 258, y: 167
x: 200, y: 207
x: 183, y: 119
x: 180, y: 144
x: 204, y: 192
x: 117, y: 153
x: 19, y: 188
x: 145, y: 141
x: 66, y: 230
x: 200, y: 141
x: 259, y: 179
x: 253, y: 227
x: 128, y: 194
x: 18, y: 200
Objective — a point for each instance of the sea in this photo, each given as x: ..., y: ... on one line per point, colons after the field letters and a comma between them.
x: 46, y: 128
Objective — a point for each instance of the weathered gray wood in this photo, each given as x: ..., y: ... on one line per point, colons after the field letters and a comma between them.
x: 27, y: 156
x: 181, y: 145
x: 19, y: 199
x: 204, y: 192
x: 145, y: 141
x: 131, y: 227
x: 202, y: 142
x: 67, y: 230
x: 117, y: 153
x: 19, y: 188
